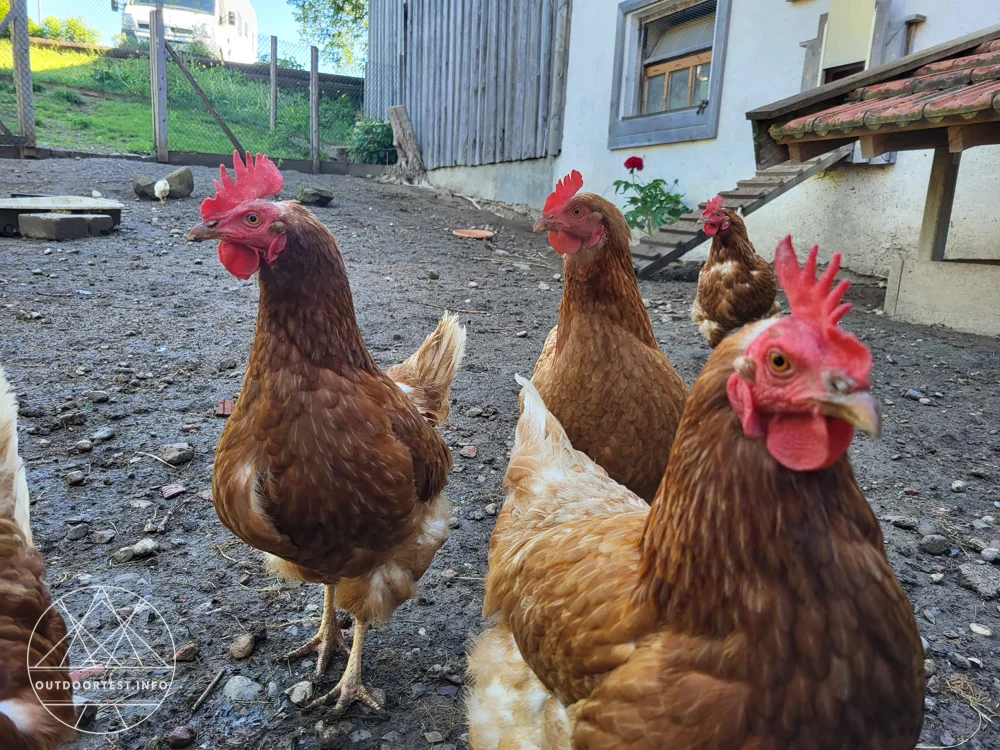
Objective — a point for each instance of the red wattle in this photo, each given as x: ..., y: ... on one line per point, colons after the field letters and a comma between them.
x: 242, y: 262
x: 807, y: 442
x: 710, y: 229
x: 564, y: 243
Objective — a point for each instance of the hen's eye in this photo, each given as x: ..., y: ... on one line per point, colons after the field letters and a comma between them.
x: 778, y: 361
x: 578, y: 211
x: 252, y: 219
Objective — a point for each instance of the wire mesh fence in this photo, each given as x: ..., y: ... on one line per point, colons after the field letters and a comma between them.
x: 91, y: 82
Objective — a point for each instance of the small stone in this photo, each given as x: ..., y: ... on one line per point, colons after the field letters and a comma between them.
x: 300, y: 693
x: 240, y: 688
x: 925, y: 644
x: 977, y: 663
x: 75, y: 533
x: 433, y: 738
x: 315, y: 196
x: 913, y: 394
x: 103, y: 536
x: 521, y: 335
x: 172, y: 490
x: 982, y: 630
x: 75, y: 478
x: 475, y: 411
x: 477, y: 515
x: 979, y: 525
x: 469, y: 451
x: 937, y: 577
x: 934, y: 544
x: 229, y: 363
x: 418, y: 689
x: 329, y: 736
x: 926, y: 401
x: 930, y: 668
x: 242, y: 647
x: 103, y: 435
x: 180, y: 737
x: 392, y: 737
x: 454, y: 523
x: 911, y: 491
x: 983, y: 579
x: 958, y: 661
x: 176, y: 454
x: 433, y: 275
x: 543, y: 287
x: 990, y: 554
x: 473, y: 285
x: 84, y: 446
x: 491, y: 509
x: 902, y: 522
x: 187, y: 652
x: 360, y: 735
x: 958, y: 486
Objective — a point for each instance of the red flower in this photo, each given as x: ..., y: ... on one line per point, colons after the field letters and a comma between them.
x: 634, y: 162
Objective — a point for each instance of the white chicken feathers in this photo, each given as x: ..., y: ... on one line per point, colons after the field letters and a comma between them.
x: 161, y: 190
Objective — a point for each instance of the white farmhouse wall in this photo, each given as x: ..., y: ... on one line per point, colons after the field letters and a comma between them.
x: 869, y: 213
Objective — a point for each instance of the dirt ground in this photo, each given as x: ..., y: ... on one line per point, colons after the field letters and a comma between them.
x: 164, y: 331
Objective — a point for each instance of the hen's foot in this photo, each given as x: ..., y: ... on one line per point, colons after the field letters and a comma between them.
x: 351, y: 688
x: 329, y: 639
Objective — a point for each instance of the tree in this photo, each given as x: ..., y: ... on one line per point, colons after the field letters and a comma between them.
x: 338, y: 27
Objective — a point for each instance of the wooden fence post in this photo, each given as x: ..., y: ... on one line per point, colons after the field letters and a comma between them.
x: 314, y: 108
x: 274, y: 82
x: 158, y: 84
x: 408, y: 161
x: 22, y: 73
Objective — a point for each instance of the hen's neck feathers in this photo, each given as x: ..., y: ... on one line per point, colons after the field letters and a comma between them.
x: 601, y: 281
x: 729, y: 520
x: 732, y: 243
x: 305, y: 300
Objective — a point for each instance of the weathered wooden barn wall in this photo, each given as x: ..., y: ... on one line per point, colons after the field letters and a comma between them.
x: 484, y: 80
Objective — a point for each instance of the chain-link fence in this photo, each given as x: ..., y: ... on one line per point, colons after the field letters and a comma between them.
x: 91, y: 83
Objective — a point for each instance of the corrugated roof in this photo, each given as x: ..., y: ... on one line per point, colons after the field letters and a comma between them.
x: 965, y: 86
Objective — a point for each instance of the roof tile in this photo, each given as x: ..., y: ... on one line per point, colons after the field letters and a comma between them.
x: 985, y: 73
x: 969, y: 61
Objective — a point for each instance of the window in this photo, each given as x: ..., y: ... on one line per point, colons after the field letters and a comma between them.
x: 669, y: 58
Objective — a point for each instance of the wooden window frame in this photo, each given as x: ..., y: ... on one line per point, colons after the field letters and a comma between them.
x: 627, y: 127
x: 689, y: 62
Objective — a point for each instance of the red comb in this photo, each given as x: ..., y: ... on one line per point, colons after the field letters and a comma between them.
x: 257, y: 178
x: 809, y: 297
x: 566, y: 188
x: 713, y: 205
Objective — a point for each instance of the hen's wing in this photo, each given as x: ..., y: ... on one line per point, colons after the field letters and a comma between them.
x: 543, y: 365
x: 427, y: 374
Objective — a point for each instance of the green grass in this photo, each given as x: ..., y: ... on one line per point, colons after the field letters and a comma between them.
x: 90, y: 102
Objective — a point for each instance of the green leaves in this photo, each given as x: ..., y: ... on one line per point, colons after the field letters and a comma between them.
x: 370, y: 142
x: 651, y: 205
x: 338, y: 27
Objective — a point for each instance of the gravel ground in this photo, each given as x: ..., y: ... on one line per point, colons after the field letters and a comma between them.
x: 138, y: 334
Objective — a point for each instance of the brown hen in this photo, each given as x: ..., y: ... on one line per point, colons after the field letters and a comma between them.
x: 751, y: 607
x: 600, y: 370
x: 328, y: 464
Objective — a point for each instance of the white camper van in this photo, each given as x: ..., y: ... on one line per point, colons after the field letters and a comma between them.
x: 228, y: 27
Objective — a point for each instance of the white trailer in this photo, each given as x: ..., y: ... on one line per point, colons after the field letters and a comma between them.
x: 227, y: 27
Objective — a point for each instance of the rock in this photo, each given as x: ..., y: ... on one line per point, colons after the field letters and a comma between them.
x: 913, y: 394
x: 103, y: 536
x: 475, y: 411
x: 181, y: 183
x: 242, y: 647
x: 172, y: 490
x: 491, y: 509
x: 983, y: 579
x: 229, y: 363
x: 433, y: 275
x: 360, y: 735
x: 958, y: 661
x: 329, y: 736
x: 176, y: 454
x: 937, y: 577
x: 947, y: 739
x: 300, y: 693
x: 88, y: 712
x: 50, y: 226
x: 102, y: 435
x: 180, y: 737
x: 75, y: 478
x: 142, y: 185
x: 75, y: 533
x: 433, y: 738
x: 393, y: 737
x: 143, y: 548
x: 934, y: 544
x: 982, y: 630
x: 473, y: 285
x: 958, y: 486
x: 315, y: 196
x: 521, y: 335
x: 240, y: 688
x: 469, y: 451
x: 187, y: 652
x: 418, y: 689
x: 84, y: 446
x: 902, y: 522
x: 924, y: 644
x: 930, y: 668
x: 543, y: 287
x: 990, y: 554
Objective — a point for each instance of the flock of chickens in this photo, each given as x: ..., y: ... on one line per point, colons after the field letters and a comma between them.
x: 672, y: 568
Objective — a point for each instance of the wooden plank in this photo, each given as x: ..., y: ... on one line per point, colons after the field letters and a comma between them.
x: 158, y: 84
x: 560, y: 55
x: 873, y: 75
x: 544, y: 76
x: 273, y: 70
x: 201, y: 95
x: 314, y: 107
x: 962, y: 137
x: 814, y: 49
x: 25, y: 95
x: 937, y: 207
x: 488, y: 133
x: 463, y: 94
x: 529, y: 126
x: 802, y: 152
x: 520, y: 62
x: 501, y: 81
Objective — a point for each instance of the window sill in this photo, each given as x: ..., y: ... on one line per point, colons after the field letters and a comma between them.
x: 662, y: 127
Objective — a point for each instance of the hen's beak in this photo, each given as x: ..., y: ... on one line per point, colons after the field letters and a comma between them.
x: 857, y: 408
x: 542, y: 224
x: 204, y: 231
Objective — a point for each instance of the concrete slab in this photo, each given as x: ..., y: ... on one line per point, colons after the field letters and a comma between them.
x: 53, y: 226
x: 954, y: 294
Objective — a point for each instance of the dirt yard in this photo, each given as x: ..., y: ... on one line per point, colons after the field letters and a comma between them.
x: 128, y: 341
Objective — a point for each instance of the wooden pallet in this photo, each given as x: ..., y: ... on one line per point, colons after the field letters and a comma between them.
x: 673, y: 241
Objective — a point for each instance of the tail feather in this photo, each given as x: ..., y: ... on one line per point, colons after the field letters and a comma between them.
x: 13, y: 484
x: 427, y: 374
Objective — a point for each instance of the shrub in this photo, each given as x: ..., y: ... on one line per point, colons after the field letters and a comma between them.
x: 649, y: 205
x: 69, y: 96
x: 370, y: 142
x: 72, y: 29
